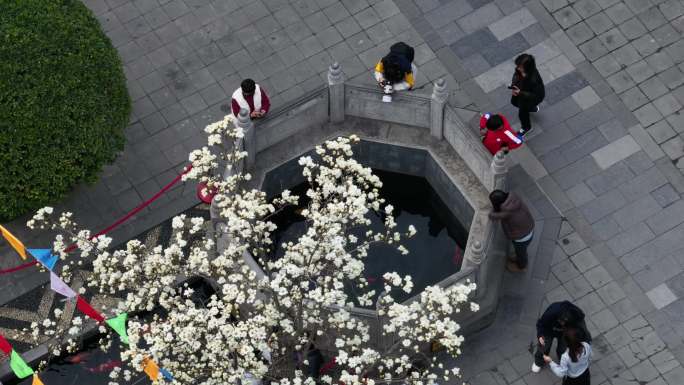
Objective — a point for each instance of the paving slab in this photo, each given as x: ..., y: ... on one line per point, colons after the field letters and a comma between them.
x: 613, y: 80
x: 615, y: 151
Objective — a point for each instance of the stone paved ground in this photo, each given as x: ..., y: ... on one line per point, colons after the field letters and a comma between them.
x: 605, y: 153
x: 601, y: 170
x: 183, y: 59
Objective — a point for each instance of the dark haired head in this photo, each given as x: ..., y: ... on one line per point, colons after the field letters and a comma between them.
x: 526, y: 63
x: 566, y: 318
x: 494, y: 122
x: 573, y: 343
x: 497, y: 197
x: 248, y: 86
x: 392, y: 71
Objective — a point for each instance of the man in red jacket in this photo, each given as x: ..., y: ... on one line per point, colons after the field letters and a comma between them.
x: 252, y: 98
x: 497, y: 134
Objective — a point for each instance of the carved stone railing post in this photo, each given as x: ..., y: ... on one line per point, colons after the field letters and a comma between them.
x: 336, y: 92
x: 499, y: 170
x: 477, y: 251
x: 439, y: 98
x: 245, y: 122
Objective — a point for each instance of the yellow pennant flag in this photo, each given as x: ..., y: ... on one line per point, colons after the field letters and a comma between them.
x: 36, y: 380
x: 151, y: 369
x: 14, y: 242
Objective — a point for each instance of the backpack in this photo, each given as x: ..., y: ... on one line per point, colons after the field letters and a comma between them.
x: 398, y: 62
x: 405, y: 50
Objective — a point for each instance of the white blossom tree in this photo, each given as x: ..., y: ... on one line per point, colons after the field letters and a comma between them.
x: 270, y: 328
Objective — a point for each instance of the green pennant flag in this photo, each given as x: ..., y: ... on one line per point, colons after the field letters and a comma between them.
x: 118, y: 323
x: 19, y: 367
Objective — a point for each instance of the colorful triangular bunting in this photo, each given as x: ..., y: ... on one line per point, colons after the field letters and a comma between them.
x: 85, y: 308
x: 5, y: 346
x: 151, y: 369
x: 118, y: 323
x: 18, y: 365
x: 57, y: 285
x: 14, y: 242
x: 36, y: 380
x: 166, y: 374
x: 45, y: 257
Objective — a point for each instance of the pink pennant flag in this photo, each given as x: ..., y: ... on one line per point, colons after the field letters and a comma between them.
x: 57, y: 285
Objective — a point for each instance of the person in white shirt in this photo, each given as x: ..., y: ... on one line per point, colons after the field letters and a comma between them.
x: 574, y: 363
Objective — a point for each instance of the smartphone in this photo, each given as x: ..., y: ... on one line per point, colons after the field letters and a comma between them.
x: 510, y: 87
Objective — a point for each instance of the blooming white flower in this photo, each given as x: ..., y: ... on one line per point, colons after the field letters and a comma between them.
x: 303, y: 298
x: 178, y: 222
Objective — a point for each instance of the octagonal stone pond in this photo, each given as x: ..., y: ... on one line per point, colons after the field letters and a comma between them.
x: 435, y: 252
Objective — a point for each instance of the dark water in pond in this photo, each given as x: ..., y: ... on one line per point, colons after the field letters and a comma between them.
x: 435, y: 252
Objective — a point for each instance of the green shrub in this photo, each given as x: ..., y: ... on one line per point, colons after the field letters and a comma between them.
x: 63, y: 101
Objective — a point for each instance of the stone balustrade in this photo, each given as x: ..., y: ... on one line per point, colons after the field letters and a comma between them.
x: 484, y: 256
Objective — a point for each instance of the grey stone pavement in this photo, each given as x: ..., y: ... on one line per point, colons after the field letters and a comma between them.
x: 602, y: 171
x: 183, y: 59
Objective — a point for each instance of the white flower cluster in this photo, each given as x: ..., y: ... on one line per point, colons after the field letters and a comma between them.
x: 256, y: 328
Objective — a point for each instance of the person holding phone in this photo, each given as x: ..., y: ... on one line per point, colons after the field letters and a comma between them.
x: 497, y: 134
x: 396, y: 68
x: 527, y: 90
x: 251, y: 97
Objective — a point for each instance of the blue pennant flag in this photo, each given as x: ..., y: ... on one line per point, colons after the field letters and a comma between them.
x: 165, y: 373
x: 45, y: 257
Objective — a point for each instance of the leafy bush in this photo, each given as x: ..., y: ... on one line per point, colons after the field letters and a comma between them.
x: 63, y: 101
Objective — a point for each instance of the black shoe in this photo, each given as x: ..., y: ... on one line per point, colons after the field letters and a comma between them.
x: 527, y: 131
x: 536, y: 109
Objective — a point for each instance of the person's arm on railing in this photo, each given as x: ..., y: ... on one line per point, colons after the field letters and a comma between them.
x: 503, y: 214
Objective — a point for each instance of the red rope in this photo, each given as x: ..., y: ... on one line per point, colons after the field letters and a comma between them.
x: 17, y: 268
x: 118, y: 222
x: 137, y: 209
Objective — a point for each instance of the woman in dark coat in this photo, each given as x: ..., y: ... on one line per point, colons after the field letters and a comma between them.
x: 527, y: 89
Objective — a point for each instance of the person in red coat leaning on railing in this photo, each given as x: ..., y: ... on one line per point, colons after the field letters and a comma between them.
x: 252, y: 97
x: 497, y: 134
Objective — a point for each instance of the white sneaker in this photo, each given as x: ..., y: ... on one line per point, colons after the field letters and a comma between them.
x: 535, y: 368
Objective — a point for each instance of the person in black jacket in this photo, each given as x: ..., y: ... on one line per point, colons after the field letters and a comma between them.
x: 397, y: 67
x: 527, y: 89
x: 558, y: 317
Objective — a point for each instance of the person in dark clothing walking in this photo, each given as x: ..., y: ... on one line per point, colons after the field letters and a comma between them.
x: 517, y: 224
x: 558, y: 317
x: 527, y: 88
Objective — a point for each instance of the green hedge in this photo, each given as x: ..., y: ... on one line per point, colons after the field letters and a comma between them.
x: 63, y: 101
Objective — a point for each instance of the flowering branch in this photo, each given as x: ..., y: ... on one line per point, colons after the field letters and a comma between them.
x: 250, y: 327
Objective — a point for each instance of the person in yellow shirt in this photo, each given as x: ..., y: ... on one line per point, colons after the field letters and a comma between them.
x: 397, y: 68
